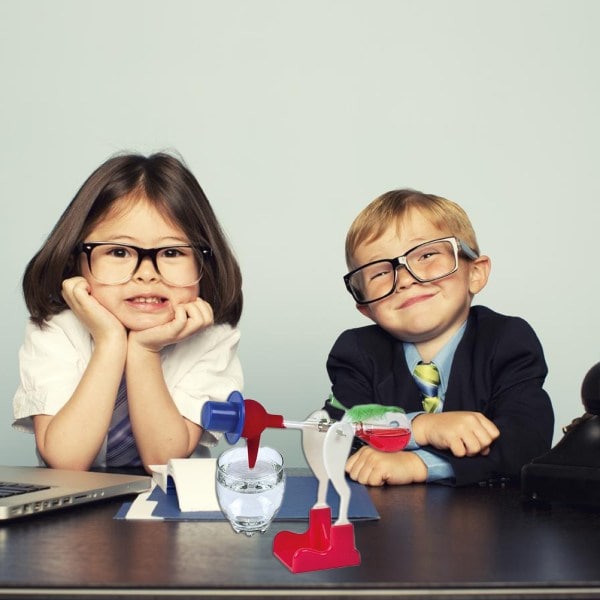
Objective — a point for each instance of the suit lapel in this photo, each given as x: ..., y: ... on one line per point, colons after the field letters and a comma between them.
x: 398, y: 387
x: 461, y: 369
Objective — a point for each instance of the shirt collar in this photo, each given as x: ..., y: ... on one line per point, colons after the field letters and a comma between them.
x: 443, y: 359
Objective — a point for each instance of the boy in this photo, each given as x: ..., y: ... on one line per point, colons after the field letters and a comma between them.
x: 482, y: 413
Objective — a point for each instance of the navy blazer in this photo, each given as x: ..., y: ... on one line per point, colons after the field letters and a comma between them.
x: 498, y: 369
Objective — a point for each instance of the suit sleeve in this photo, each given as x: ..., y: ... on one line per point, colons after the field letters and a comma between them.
x: 508, y: 389
x: 350, y: 372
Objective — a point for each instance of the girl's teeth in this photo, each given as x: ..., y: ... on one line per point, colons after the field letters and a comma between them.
x: 147, y: 300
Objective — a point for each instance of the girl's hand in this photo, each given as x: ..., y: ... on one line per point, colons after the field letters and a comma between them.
x: 372, y: 467
x: 100, y: 322
x: 188, y: 319
x: 464, y: 433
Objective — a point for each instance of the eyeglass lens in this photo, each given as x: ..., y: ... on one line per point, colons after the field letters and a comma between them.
x: 114, y: 263
x: 426, y: 263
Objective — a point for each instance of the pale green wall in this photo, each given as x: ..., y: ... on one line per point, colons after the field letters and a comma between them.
x: 293, y: 115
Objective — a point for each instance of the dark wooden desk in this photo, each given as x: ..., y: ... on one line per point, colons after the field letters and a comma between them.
x: 431, y: 542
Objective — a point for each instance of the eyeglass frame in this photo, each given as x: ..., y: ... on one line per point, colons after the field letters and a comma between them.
x: 88, y: 247
x: 457, y: 245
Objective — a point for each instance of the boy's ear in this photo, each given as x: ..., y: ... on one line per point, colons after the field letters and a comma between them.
x: 479, y: 273
x: 365, y: 310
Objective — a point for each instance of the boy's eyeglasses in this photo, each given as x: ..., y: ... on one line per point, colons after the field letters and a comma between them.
x: 113, y: 264
x: 426, y: 262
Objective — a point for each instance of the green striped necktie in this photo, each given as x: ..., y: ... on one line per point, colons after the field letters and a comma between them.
x: 427, y: 378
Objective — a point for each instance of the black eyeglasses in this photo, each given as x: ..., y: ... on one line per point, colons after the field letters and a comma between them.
x: 426, y: 262
x: 113, y: 264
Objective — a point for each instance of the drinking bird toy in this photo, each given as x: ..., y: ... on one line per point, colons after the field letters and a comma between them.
x: 326, y: 444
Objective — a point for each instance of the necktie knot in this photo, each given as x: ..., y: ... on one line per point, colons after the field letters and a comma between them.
x: 427, y: 378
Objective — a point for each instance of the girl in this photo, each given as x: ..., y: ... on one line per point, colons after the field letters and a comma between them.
x: 134, y: 301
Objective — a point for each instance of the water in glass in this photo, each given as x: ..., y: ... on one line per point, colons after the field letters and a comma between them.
x: 250, y: 498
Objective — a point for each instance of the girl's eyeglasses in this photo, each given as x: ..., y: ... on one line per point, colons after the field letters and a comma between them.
x: 113, y: 264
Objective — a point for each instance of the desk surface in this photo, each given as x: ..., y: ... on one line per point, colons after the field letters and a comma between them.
x: 431, y: 541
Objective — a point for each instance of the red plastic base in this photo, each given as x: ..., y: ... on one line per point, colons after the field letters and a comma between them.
x: 322, y: 546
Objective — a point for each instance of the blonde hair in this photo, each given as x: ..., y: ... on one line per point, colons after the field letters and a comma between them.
x: 394, y: 206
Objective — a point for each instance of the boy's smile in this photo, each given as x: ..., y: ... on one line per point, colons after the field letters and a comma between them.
x: 427, y: 314
x: 416, y: 299
x: 145, y: 300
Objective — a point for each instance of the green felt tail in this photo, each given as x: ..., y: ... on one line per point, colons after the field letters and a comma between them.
x: 365, y: 412
x: 335, y: 403
x: 362, y: 412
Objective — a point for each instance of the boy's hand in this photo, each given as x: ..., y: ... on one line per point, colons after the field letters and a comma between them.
x: 464, y: 433
x: 188, y: 319
x: 372, y: 467
x: 99, y: 321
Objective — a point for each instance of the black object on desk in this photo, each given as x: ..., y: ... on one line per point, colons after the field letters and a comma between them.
x: 570, y: 471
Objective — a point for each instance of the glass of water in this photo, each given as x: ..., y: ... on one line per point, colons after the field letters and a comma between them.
x: 250, y: 498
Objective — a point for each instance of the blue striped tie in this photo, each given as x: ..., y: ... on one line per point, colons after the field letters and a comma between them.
x: 427, y: 378
x: 121, y: 450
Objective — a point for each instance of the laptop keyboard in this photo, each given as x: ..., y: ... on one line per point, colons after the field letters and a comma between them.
x: 8, y: 489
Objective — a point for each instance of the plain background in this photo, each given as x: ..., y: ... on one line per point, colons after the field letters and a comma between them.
x: 293, y: 116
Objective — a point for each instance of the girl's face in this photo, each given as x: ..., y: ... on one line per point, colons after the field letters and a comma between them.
x: 144, y: 301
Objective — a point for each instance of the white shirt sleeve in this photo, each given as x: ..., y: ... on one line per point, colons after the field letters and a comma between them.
x: 203, y: 367
x: 52, y: 361
x: 53, y: 358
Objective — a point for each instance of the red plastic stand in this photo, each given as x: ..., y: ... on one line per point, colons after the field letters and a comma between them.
x: 322, y: 546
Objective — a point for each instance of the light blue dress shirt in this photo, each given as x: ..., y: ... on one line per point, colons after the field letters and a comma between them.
x: 437, y: 467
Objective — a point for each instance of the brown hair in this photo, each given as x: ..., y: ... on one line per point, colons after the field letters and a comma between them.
x: 394, y: 206
x: 167, y: 184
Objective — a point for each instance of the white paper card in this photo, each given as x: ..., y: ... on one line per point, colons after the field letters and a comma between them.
x: 194, y: 480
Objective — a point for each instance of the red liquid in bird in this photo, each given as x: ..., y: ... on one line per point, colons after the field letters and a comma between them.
x: 386, y: 439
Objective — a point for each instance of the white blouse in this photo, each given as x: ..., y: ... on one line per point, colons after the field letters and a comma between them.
x: 53, y: 358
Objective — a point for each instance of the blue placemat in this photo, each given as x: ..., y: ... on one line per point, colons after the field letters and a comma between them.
x: 299, y: 497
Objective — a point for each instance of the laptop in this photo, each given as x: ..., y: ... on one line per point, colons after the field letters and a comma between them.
x: 31, y: 490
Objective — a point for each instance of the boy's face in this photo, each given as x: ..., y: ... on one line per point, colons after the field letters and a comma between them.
x: 427, y: 314
x: 146, y: 300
